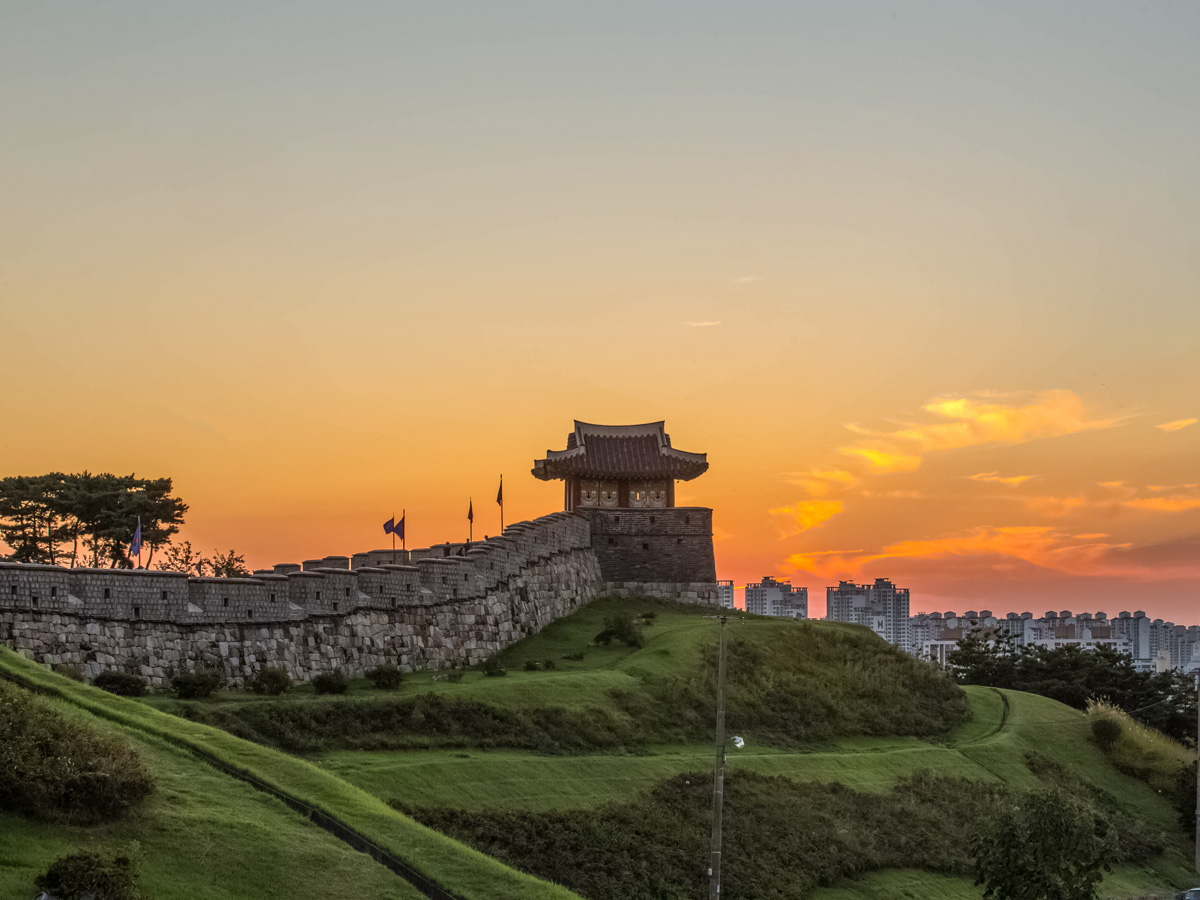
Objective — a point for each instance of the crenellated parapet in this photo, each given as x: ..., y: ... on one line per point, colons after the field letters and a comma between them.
x: 451, y: 604
x: 328, y: 586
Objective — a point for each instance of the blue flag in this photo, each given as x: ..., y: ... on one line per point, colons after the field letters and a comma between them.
x: 471, y: 511
x: 136, y: 547
x: 389, y: 527
x: 500, y: 493
x: 399, y: 528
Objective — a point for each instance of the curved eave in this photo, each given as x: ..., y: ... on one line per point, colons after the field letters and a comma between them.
x: 555, y: 470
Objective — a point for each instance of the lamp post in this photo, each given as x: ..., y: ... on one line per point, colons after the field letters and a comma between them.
x: 714, y: 859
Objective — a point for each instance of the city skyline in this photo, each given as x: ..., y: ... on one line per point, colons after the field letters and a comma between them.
x: 919, y: 281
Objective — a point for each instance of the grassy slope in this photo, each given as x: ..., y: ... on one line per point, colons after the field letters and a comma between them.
x: 981, y: 749
x: 459, y: 868
x: 204, y: 835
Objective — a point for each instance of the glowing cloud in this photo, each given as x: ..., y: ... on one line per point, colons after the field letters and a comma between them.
x: 806, y: 514
x: 998, y: 478
x: 1038, y: 545
x: 1047, y: 414
x: 884, y: 460
x: 1175, y: 503
x: 819, y: 482
x: 1177, y: 424
x: 703, y: 324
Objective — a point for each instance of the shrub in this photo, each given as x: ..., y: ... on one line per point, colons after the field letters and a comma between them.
x: 1106, y: 731
x: 198, y: 684
x: 386, y: 677
x: 531, y: 665
x: 576, y: 656
x: 493, y: 669
x: 68, y: 670
x: 270, y: 681
x: 122, y: 684
x: 331, y: 683
x: 454, y: 677
x: 1140, y: 751
x: 104, y: 876
x: 548, y: 664
x: 56, y: 768
x: 621, y: 628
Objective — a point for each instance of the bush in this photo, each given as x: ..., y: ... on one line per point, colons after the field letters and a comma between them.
x: 454, y: 677
x: 548, y: 664
x: 55, y: 768
x: 493, y: 669
x: 104, y: 876
x: 270, y: 681
x: 198, y: 684
x: 531, y: 665
x: 1106, y: 731
x: 386, y: 677
x: 331, y: 683
x: 121, y: 683
x: 621, y: 628
x: 1140, y: 751
x: 69, y: 670
x: 575, y: 657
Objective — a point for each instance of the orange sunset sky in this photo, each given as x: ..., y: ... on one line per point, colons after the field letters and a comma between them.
x: 921, y: 279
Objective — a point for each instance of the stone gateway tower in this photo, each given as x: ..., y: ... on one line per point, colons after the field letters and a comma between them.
x: 621, y: 478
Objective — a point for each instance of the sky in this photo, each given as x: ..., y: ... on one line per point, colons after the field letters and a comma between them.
x: 921, y: 279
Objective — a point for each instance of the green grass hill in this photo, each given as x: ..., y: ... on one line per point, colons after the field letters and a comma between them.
x: 590, y: 766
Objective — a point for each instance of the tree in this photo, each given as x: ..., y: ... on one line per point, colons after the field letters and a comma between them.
x: 1072, y: 675
x: 181, y: 558
x: 228, y: 565
x: 39, y: 514
x: 1045, y: 845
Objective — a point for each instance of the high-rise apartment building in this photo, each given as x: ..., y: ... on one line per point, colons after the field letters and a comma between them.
x: 777, y: 598
x: 881, y: 606
x: 725, y: 594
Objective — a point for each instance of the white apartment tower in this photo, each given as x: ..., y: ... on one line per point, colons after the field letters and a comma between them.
x: 777, y: 598
x: 725, y: 594
x: 881, y: 606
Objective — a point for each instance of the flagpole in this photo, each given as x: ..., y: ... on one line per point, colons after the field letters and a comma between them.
x: 404, y: 537
x: 501, y: 503
x: 393, y: 538
x: 470, y: 520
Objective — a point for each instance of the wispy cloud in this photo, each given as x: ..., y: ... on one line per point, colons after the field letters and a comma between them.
x: 959, y: 422
x: 819, y: 482
x: 708, y: 324
x: 1177, y: 424
x: 747, y: 279
x: 805, y: 514
x: 998, y: 478
x: 1038, y: 545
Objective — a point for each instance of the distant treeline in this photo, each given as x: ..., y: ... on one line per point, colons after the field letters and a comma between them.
x: 1165, y: 701
x: 85, y: 519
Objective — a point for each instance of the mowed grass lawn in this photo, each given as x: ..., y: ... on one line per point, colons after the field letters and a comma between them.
x: 204, y: 835
x: 991, y: 746
x: 472, y: 875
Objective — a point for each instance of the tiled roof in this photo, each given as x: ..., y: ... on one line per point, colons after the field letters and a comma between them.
x: 620, y: 451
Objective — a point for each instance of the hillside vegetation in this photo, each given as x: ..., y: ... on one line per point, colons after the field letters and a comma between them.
x: 863, y: 774
x: 204, y: 833
x: 792, y: 683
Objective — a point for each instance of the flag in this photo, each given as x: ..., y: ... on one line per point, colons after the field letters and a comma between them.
x: 136, y: 547
x: 389, y: 527
x: 398, y: 529
x: 500, y: 493
x: 471, y: 511
x: 200, y: 568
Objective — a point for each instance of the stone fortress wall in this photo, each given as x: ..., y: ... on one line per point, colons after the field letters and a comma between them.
x: 443, y: 606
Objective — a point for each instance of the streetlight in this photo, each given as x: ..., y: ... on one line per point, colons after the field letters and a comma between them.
x: 714, y: 861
